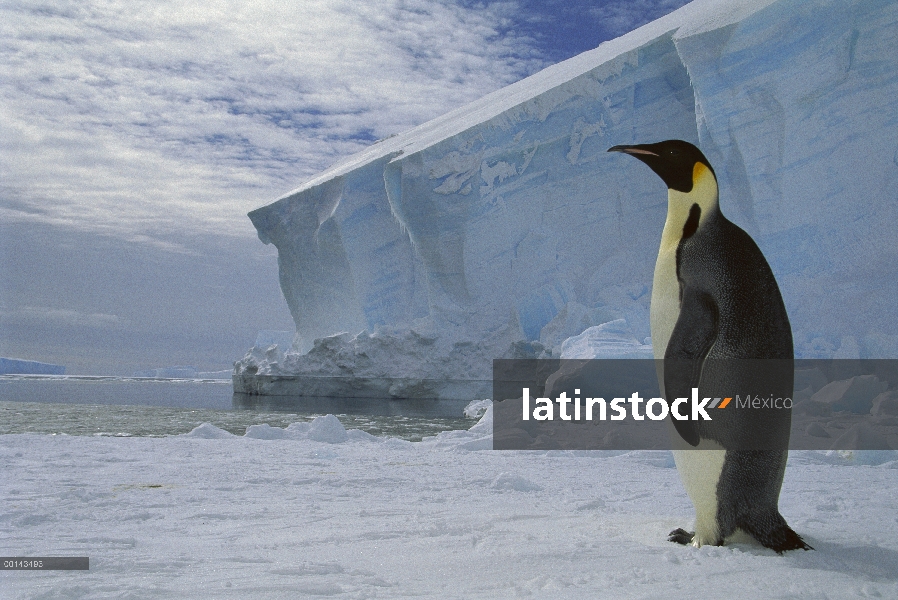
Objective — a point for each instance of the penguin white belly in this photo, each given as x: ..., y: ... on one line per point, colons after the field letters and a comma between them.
x: 665, y: 307
x: 699, y: 469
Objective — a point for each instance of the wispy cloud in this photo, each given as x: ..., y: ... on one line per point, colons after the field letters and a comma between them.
x: 135, y: 135
x: 140, y: 118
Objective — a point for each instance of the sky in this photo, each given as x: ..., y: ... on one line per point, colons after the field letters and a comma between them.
x: 135, y: 136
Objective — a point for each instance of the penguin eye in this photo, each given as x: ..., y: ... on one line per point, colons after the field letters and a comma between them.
x: 673, y: 152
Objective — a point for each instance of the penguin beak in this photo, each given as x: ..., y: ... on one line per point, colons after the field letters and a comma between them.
x: 632, y: 150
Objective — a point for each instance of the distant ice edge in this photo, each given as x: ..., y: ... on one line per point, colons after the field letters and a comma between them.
x: 504, y: 228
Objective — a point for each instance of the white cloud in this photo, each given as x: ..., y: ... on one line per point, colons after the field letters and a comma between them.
x: 142, y: 119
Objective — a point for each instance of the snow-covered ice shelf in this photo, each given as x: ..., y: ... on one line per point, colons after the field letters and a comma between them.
x: 314, y: 510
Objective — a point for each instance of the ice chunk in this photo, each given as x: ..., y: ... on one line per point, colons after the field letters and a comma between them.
x: 855, y: 395
x: 609, y: 340
x: 299, y: 429
x: 485, y: 424
x: 573, y: 319
x: 885, y: 404
x: 474, y: 408
x: 208, y: 431
x: 327, y: 429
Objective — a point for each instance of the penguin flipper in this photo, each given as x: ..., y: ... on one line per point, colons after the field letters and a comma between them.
x: 693, y: 335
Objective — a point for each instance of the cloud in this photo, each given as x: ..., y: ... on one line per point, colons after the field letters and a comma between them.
x: 136, y: 135
x: 144, y: 119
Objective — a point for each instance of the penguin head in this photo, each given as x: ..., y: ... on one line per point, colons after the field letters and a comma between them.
x: 674, y: 161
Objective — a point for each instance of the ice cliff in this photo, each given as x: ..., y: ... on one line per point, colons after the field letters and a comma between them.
x: 504, y: 228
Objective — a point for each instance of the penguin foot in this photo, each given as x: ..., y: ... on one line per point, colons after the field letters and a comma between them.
x: 779, y: 537
x: 785, y: 539
x: 681, y: 536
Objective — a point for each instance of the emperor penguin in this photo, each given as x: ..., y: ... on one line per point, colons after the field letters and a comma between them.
x: 715, y: 310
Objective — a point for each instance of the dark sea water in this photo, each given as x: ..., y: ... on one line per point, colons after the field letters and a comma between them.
x: 115, y: 406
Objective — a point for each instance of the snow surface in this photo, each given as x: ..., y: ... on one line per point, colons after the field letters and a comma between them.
x: 314, y: 510
x: 506, y: 222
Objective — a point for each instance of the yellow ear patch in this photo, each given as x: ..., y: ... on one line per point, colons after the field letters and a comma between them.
x: 698, y: 171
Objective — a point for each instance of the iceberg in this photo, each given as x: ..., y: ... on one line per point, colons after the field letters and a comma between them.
x: 182, y: 372
x: 17, y: 366
x: 504, y: 229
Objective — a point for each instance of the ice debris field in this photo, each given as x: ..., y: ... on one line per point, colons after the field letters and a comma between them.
x: 314, y: 510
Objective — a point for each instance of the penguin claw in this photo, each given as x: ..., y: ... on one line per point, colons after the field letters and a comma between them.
x: 681, y: 536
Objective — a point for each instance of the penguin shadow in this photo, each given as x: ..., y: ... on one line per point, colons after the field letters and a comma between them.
x: 874, y: 562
